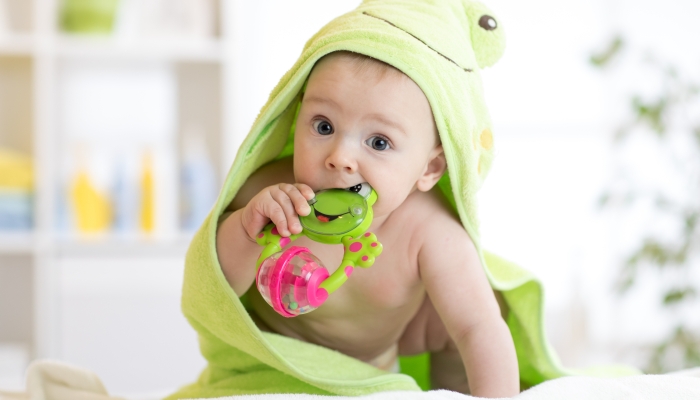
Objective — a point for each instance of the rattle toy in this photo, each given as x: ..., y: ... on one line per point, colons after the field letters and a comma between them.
x: 294, y: 281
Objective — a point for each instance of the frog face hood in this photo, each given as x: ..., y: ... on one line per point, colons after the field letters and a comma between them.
x: 441, y: 45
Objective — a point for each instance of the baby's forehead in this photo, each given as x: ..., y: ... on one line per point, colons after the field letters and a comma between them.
x: 361, y: 67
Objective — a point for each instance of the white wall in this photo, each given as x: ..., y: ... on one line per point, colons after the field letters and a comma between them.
x: 269, y: 36
x: 121, y: 319
x: 554, y: 117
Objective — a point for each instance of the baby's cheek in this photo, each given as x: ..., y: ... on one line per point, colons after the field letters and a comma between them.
x: 303, y: 173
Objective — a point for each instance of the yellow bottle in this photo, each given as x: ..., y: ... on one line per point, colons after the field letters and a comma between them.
x: 92, y: 209
x: 147, y: 220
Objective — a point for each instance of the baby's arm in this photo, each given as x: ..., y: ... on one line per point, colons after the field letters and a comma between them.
x: 461, y: 294
x: 236, y: 247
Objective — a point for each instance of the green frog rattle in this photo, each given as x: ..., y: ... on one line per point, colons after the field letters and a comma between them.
x: 294, y: 281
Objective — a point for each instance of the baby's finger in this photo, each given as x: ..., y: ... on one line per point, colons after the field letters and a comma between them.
x: 300, y: 204
x: 305, y: 190
x: 292, y: 220
x: 273, y: 211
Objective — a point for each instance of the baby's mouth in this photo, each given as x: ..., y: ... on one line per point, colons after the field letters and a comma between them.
x: 354, y: 188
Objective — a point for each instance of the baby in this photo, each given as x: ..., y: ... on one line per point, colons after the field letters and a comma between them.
x: 363, y: 121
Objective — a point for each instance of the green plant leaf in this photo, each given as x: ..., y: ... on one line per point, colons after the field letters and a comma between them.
x: 651, y: 113
x: 675, y: 296
x: 604, y: 57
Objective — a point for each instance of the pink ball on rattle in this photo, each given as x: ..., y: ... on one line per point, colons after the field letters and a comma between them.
x: 289, y: 281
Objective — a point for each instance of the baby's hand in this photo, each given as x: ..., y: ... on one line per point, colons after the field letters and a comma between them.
x: 282, y: 204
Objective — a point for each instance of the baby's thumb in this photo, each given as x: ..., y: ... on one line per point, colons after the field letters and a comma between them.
x: 253, y: 223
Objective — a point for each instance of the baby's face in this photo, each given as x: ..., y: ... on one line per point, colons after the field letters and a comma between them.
x: 359, y: 126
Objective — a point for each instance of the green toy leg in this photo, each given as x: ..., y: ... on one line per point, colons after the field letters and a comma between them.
x: 359, y: 252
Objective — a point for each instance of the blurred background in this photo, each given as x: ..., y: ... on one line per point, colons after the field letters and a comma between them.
x: 120, y: 118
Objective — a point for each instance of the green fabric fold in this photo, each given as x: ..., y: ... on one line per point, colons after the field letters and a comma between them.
x: 441, y: 45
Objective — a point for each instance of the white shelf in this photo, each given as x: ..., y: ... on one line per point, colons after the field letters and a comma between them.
x: 114, y: 245
x: 35, y: 65
x: 16, y: 243
x: 95, y: 47
x: 108, y: 245
x: 16, y: 45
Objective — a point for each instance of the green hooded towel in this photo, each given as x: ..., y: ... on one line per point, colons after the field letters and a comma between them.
x: 441, y: 45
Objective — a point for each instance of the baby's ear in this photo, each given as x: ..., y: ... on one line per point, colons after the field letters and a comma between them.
x: 436, y: 167
x: 487, y: 35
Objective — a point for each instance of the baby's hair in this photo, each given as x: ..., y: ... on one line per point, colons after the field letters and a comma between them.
x: 363, y: 63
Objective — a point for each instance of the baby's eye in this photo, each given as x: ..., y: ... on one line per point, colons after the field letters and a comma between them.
x: 323, y: 127
x: 378, y: 143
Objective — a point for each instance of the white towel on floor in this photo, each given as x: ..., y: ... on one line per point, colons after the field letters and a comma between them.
x: 52, y: 380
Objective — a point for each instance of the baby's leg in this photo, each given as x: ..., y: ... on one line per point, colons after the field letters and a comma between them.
x: 426, y: 332
x: 388, y: 361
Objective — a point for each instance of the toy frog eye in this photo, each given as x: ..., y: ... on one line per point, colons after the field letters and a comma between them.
x: 488, y: 22
x: 363, y: 189
x: 357, y: 209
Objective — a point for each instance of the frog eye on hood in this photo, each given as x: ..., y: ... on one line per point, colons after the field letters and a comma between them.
x: 488, y: 22
x: 487, y: 36
x: 363, y: 189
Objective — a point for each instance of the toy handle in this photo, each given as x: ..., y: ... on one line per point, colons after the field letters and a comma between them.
x: 359, y: 252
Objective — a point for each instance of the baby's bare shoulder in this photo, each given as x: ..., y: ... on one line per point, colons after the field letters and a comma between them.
x: 437, y: 235
x: 432, y: 212
x: 278, y: 171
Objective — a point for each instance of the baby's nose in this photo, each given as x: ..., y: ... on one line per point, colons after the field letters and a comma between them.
x: 341, y: 160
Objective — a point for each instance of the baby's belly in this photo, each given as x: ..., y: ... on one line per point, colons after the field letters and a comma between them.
x: 363, y: 319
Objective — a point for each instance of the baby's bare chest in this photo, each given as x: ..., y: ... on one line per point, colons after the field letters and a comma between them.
x: 391, y: 282
x: 369, y: 313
